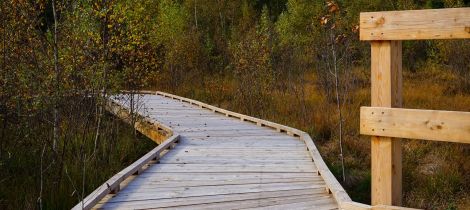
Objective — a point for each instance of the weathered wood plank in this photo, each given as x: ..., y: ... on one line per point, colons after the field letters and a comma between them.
x: 226, y: 182
x: 229, y: 168
x: 451, y: 23
x: 282, y: 138
x: 132, y: 194
x: 320, y: 203
x: 256, y: 203
x: 416, y: 124
x: 187, y: 201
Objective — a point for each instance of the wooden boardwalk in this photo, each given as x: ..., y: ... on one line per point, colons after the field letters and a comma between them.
x: 223, y: 160
x: 211, y: 158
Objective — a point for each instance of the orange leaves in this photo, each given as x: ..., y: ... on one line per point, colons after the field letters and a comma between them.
x: 332, y: 7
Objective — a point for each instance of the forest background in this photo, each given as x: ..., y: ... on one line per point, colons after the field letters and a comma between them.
x: 294, y: 62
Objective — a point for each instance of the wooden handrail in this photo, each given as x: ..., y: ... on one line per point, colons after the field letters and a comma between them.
x: 385, y: 121
x: 449, y: 126
x: 452, y: 23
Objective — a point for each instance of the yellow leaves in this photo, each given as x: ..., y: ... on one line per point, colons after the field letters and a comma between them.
x: 324, y: 20
x: 355, y: 29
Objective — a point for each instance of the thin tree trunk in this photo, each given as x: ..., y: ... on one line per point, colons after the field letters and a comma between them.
x: 57, y: 82
x: 195, y: 12
x: 102, y: 100
x: 338, y: 105
x: 41, y: 178
x: 4, y: 51
x: 83, y: 180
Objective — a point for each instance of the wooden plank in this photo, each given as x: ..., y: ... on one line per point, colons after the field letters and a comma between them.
x: 230, y: 168
x: 171, y: 186
x: 386, y: 91
x: 319, y: 203
x: 451, y: 23
x: 256, y: 203
x: 284, y: 138
x: 220, y: 176
x: 205, y: 150
x: 253, y: 155
x: 226, y: 182
x: 114, y: 182
x: 188, y: 201
x: 237, y: 129
x: 434, y: 125
x: 133, y: 194
x: 226, y: 160
x: 211, y: 152
x: 240, y: 142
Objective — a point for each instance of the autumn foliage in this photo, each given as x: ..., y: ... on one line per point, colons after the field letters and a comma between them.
x: 295, y: 62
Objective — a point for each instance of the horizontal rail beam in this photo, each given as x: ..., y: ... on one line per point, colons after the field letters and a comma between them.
x: 416, y: 24
x: 449, y: 126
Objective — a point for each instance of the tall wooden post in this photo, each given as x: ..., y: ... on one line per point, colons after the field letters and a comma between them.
x: 386, y: 79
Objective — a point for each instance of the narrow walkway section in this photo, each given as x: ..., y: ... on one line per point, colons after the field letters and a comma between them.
x: 221, y: 162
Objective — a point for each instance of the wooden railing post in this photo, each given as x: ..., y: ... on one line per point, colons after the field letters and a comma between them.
x: 386, y: 30
x: 386, y: 83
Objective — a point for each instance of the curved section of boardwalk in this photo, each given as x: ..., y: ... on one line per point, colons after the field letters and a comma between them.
x: 221, y: 162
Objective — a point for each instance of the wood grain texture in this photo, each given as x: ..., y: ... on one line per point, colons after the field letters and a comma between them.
x: 386, y: 91
x: 434, y: 125
x: 451, y: 23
